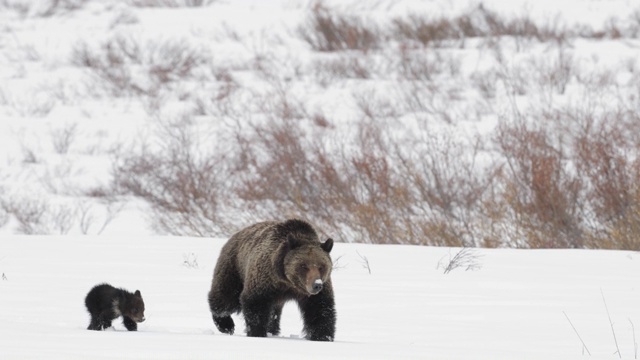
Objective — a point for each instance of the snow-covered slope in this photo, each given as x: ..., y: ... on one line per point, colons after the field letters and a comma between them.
x: 511, y: 304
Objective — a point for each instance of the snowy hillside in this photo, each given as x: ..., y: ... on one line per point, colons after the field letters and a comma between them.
x: 458, y: 123
x: 510, y: 305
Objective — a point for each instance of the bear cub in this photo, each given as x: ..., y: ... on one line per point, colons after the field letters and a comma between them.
x: 265, y: 265
x: 105, y: 303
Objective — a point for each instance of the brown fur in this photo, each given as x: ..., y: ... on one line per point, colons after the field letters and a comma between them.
x: 263, y: 266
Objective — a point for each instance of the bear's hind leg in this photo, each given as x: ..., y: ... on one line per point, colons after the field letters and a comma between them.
x: 129, y: 323
x: 224, y: 299
x: 102, y: 321
x: 94, y: 324
x: 106, y: 317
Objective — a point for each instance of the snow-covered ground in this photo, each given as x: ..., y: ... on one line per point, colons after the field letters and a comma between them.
x: 510, y: 305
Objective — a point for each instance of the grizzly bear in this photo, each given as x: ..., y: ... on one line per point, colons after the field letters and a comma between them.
x: 105, y: 303
x: 267, y: 264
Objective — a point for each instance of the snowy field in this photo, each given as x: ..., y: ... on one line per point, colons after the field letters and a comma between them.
x: 510, y: 305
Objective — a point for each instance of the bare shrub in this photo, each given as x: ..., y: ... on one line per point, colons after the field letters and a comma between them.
x: 38, y: 217
x: 327, y: 31
x: 286, y: 173
x: 218, y: 100
x: 377, y: 194
x: 4, y: 214
x: 184, y: 186
x: 275, y: 162
x: 160, y: 63
x: 125, y: 16
x: 606, y: 157
x: 90, y: 219
x: 35, y: 104
x: 429, y: 32
x: 43, y: 8
x: 542, y: 197
x: 29, y: 156
x: 434, y: 101
x: 485, y: 82
x: 447, y: 189
x: 371, y: 189
x: 63, y: 137
x: 416, y: 65
x: 173, y: 59
x: 169, y: 3
x: 375, y: 105
x: 341, y: 68
x: 479, y: 22
x: 556, y: 74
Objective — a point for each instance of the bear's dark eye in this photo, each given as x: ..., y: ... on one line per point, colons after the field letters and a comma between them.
x: 135, y: 311
x: 321, y: 269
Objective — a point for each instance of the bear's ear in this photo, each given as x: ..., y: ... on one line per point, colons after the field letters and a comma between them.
x: 137, y: 293
x: 292, y: 242
x: 327, y: 245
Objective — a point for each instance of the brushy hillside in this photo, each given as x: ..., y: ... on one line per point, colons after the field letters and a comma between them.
x: 459, y: 123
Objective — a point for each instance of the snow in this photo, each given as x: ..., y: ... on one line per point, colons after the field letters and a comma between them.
x: 511, y: 305
x: 393, y: 302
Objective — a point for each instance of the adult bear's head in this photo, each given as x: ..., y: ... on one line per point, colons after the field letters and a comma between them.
x: 307, y: 265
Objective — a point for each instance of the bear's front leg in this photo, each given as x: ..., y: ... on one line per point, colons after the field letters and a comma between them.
x: 319, y: 315
x: 225, y: 324
x: 129, y: 323
x: 274, y: 320
x: 256, y: 311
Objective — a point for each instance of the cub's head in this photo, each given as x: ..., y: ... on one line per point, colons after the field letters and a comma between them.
x: 135, y: 307
x: 307, y: 265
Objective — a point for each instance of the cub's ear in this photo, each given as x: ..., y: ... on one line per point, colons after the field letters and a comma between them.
x: 137, y: 293
x: 292, y: 242
x: 327, y: 245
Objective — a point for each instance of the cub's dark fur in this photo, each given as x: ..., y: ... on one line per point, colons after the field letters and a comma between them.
x: 105, y: 303
x: 267, y: 264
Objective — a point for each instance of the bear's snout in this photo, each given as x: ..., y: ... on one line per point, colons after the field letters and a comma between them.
x: 142, y: 319
x: 316, y: 287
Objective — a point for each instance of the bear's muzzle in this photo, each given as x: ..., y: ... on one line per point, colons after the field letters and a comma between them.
x: 316, y: 287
